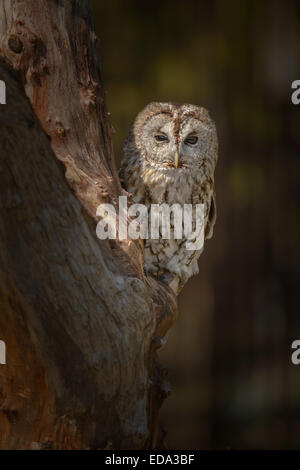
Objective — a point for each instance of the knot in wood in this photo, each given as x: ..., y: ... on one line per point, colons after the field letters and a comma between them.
x: 15, y: 44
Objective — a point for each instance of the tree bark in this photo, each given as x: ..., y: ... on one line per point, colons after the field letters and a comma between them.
x: 80, y: 319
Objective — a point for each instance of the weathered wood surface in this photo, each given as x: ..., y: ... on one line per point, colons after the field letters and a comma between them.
x: 80, y: 319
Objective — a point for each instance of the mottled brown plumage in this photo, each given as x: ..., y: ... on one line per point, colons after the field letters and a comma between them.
x: 151, y: 173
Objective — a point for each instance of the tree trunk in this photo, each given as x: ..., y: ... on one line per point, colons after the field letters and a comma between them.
x: 80, y: 319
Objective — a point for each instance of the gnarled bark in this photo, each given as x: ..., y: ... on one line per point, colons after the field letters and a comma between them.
x: 80, y: 319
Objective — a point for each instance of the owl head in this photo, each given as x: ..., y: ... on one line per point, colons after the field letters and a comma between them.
x: 174, y: 136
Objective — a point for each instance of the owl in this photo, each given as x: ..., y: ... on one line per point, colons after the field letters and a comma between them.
x: 169, y: 157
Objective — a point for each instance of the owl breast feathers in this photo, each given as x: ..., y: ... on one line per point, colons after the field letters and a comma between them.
x: 170, y: 156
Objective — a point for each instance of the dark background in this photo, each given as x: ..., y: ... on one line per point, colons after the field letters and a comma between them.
x: 229, y: 355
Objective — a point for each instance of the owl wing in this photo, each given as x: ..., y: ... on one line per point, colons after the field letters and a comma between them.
x: 122, y: 172
x: 212, y: 215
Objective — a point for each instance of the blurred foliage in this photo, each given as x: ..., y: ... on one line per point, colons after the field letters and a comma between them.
x: 229, y: 354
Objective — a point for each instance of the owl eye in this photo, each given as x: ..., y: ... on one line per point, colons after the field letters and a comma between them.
x: 161, y: 138
x: 191, y: 140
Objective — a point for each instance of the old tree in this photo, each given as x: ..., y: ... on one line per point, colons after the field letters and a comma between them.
x: 80, y: 319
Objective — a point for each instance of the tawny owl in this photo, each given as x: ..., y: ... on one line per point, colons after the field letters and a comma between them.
x: 169, y: 157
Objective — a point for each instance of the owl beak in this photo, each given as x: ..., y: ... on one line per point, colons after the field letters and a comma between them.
x: 176, y: 159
